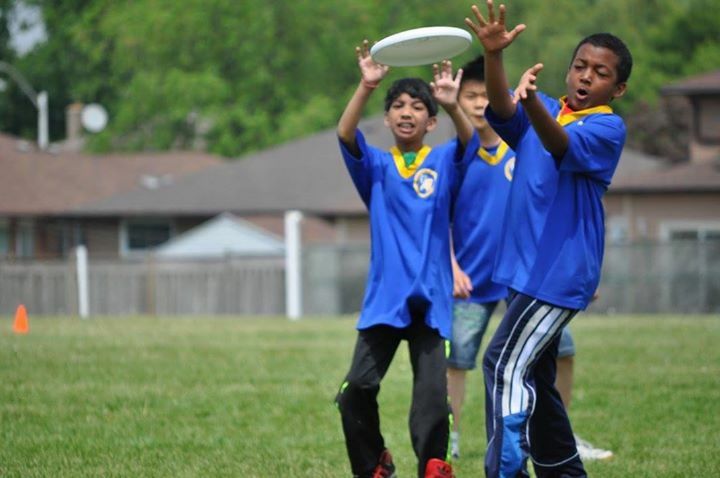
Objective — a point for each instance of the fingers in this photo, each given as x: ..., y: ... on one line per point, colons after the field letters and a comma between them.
x: 491, y: 11
x: 444, y: 70
x: 516, y: 31
x: 363, y: 50
x: 458, y: 76
x: 476, y: 11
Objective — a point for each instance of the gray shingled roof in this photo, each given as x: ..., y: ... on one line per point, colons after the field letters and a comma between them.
x: 708, y: 83
x: 306, y: 174
x: 38, y: 183
x: 684, y: 178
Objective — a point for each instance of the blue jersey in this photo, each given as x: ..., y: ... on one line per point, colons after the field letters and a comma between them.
x: 478, y: 218
x: 409, y: 210
x: 554, y: 233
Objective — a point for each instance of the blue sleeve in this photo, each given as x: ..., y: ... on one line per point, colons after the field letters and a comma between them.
x: 594, y: 146
x: 511, y: 129
x: 361, y: 168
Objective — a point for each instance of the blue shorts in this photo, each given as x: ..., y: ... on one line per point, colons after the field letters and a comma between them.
x: 470, y: 320
x: 567, y: 344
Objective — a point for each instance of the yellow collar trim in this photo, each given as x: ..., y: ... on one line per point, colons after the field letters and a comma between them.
x: 578, y: 115
x: 407, y: 171
x: 493, y: 159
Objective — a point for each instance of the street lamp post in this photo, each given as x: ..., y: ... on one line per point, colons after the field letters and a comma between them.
x: 39, y: 100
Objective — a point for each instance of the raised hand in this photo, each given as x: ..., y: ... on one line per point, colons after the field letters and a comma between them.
x: 372, y: 73
x: 492, y: 33
x: 527, y: 84
x: 445, y: 88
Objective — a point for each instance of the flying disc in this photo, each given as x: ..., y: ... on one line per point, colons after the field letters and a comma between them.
x: 420, y: 46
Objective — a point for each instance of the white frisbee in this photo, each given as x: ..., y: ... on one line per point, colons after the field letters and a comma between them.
x: 421, y: 46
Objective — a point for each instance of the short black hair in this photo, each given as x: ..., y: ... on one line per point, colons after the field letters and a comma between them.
x: 416, y: 88
x: 614, y: 44
x: 474, y: 70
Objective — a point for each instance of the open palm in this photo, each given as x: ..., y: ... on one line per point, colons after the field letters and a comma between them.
x: 492, y: 32
x: 371, y: 72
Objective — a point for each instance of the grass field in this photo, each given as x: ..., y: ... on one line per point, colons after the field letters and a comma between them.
x: 187, y: 397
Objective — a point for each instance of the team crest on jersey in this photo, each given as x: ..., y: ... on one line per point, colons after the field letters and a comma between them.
x: 424, y: 182
x: 510, y: 168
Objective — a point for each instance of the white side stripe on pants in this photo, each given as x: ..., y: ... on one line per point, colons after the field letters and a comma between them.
x: 534, y: 337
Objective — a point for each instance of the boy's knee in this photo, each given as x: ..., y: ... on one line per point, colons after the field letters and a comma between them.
x: 352, y: 393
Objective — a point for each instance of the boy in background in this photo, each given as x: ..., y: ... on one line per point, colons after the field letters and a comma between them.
x: 409, y: 192
x: 553, y: 238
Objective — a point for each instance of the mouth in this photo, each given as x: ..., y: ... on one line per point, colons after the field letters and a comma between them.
x: 582, y: 94
x: 405, y: 127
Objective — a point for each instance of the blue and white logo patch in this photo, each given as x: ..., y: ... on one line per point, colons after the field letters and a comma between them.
x: 424, y: 182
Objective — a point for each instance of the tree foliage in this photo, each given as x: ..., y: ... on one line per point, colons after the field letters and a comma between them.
x: 233, y: 76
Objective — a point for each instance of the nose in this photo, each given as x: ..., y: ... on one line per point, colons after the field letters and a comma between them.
x: 586, y: 76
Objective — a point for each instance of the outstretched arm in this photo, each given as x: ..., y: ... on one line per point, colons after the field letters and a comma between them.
x: 371, y: 75
x: 494, y: 37
x: 551, y: 133
x: 445, y: 89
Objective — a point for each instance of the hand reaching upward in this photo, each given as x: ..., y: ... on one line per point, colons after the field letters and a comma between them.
x: 492, y: 33
x: 372, y: 73
x: 445, y: 88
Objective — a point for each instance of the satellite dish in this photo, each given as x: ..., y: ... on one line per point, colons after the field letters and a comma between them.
x: 94, y: 117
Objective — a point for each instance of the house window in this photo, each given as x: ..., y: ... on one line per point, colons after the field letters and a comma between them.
x: 689, y: 231
x: 25, y: 239
x: 142, y: 235
x: 708, y: 120
x: 4, y: 238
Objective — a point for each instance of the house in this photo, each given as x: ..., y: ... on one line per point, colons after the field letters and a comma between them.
x: 222, y: 236
x: 123, y: 205
x: 677, y: 201
x: 38, y: 189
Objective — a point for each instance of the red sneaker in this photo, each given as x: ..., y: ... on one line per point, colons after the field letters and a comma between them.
x: 385, y: 467
x: 437, y: 468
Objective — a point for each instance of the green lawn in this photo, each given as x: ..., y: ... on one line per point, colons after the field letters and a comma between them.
x: 187, y: 397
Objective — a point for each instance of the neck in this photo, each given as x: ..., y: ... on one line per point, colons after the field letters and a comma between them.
x: 488, y: 137
x: 413, y: 147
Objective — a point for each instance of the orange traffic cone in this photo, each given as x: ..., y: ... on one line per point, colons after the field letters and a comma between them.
x: 21, y: 325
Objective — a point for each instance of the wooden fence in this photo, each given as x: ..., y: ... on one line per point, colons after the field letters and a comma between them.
x: 231, y: 286
x: 677, y: 277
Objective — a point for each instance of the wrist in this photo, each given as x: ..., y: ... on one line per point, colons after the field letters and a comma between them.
x: 371, y: 85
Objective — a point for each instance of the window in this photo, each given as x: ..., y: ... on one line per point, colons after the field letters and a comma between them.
x: 25, y: 239
x: 691, y: 231
x: 4, y: 238
x: 141, y: 235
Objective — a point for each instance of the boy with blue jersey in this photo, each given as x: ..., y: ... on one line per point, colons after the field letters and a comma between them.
x: 476, y: 227
x: 553, y: 238
x: 409, y: 192
x: 476, y: 231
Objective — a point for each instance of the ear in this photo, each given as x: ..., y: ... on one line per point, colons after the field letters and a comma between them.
x: 620, y: 90
x: 386, y: 120
x: 431, y: 124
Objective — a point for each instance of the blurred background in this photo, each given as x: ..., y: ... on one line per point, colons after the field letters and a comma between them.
x: 171, y: 143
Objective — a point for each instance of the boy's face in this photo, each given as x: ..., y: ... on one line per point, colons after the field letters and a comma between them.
x: 592, y: 78
x: 473, y: 100
x: 409, y: 120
